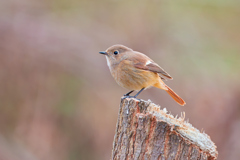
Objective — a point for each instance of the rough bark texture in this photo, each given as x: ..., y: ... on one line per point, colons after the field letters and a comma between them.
x: 144, y: 131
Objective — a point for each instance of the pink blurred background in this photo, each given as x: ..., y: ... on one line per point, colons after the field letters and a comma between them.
x: 58, y: 100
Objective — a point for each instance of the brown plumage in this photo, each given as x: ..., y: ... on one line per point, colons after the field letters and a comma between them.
x: 136, y: 71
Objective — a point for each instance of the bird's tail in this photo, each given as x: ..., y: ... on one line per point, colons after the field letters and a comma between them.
x: 174, y: 95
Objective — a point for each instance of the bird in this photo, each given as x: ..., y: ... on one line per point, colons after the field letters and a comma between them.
x: 136, y: 72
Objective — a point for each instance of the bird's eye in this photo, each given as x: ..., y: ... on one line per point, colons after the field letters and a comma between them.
x: 115, y: 52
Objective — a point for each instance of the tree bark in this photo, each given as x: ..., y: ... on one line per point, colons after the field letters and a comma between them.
x: 144, y: 131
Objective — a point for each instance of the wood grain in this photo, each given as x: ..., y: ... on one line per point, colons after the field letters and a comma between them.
x: 144, y: 131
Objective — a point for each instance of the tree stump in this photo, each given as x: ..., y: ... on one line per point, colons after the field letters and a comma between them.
x: 144, y: 131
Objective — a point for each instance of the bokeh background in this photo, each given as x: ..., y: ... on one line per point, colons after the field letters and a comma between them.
x: 58, y: 100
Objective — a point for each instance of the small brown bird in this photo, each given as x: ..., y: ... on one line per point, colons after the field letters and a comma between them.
x: 136, y: 71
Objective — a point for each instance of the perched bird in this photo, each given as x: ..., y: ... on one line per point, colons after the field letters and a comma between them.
x: 136, y: 71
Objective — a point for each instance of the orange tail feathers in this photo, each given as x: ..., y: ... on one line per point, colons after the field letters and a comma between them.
x: 178, y: 99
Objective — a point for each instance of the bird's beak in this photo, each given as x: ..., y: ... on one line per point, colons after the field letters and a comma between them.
x: 103, y: 52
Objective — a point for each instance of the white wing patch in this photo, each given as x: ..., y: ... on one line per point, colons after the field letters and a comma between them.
x: 148, y: 62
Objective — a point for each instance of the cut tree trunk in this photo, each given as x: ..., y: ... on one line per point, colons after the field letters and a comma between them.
x: 144, y: 131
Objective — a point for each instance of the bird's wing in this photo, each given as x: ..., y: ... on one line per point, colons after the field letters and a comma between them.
x: 153, y: 67
x: 145, y: 63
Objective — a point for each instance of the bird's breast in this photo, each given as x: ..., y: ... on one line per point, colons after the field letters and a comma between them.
x: 127, y: 76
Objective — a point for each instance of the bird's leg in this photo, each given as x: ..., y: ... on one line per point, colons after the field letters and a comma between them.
x: 138, y: 92
x: 128, y: 94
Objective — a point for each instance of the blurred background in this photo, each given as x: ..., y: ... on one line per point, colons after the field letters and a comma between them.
x: 58, y: 100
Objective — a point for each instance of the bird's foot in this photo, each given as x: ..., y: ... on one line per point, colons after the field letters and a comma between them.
x: 127, y: 96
